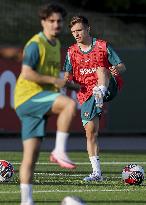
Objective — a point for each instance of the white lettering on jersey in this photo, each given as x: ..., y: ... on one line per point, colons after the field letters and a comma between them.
x: 85, y: 71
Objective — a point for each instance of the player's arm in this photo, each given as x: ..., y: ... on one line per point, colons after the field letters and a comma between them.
x: 120, y: 67
x: 30, y: 62
x: 67, y: 68
x: 117, y: 65
x: 103, y: 76
x: 33, y: 76
x: 29, y: 74
x: 116, y: 69
x: 68, y: 76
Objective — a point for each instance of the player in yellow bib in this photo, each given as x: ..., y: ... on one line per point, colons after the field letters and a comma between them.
x: 37, y: 96
x: 43, y: 58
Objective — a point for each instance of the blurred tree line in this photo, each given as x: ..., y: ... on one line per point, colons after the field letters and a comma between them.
x: 121, y: 6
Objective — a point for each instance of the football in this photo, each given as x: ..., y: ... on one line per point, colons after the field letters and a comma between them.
x: 72, y: 200
x: 6, y: 171
x: 133, y: 174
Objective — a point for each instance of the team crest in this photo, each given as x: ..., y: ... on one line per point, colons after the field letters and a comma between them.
x: 86, y: 114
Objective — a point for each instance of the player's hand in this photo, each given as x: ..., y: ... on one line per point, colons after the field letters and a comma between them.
x: 59, y: 83
x: 98, y: 96
x: 113, y: 70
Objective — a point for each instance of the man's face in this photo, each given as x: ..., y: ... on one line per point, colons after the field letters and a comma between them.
x: 80, y: 32
x: 53, y: 24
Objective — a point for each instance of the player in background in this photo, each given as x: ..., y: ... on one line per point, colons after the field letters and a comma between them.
x: 96, y: 67
x: 37, y: 96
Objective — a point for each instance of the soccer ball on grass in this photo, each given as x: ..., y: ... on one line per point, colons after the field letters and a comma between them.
x: 133, y: 174
x: 72, y: 200
x: 6, y: 171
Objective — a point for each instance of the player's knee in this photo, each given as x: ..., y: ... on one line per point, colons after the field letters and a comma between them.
x: 91, y: 135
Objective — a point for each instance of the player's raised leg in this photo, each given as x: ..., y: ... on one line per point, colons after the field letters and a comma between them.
x: 65, y: 108
x: 31, y: 149
x: 91, y: 129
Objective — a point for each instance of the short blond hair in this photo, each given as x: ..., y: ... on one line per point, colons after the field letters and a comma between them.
x: 78, y: 19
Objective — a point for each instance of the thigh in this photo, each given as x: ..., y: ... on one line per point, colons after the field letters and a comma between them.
x: 60, y: 103
x: 37, y: 105
x: 33, y: 126
x: 92, y: 126
x: 33, y: 113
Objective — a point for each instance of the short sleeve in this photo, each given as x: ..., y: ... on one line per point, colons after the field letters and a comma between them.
x: 67, y: 65
x: 31, y: 55
x: 113, y: 58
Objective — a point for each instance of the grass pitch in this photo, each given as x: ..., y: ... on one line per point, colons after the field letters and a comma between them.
x: 52, y: 183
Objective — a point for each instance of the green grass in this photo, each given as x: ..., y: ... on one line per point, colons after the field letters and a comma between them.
x: 52, y: 183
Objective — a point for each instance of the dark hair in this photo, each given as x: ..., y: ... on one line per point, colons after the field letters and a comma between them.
x: 78, y: 19
x: 46, y: 10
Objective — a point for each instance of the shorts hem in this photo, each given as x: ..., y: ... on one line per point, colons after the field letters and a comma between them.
x: 31, y: 137
x: 86, y: 121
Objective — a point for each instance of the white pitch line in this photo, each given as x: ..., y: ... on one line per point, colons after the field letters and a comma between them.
x: 60, y: 174
x: 69, y: 175
x: 86, y: 163
x: 73, y: 191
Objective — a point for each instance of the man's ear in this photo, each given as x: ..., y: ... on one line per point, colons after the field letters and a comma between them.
x: 42, y: 22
